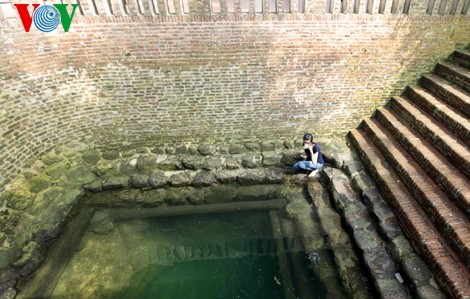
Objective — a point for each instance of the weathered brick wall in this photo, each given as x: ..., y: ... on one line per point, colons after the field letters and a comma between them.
x: 111, y: 81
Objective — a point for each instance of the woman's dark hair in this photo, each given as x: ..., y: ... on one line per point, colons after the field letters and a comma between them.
x: 308, y: 137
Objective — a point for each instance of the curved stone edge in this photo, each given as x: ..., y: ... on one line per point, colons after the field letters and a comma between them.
x: 35, y: 207
x: 357, y: 199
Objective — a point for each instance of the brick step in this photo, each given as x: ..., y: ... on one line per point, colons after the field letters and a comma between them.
x: 447, y: 91
x: 454, y: 120
x: 443, y: 140
x: 448, y: 177
x: 462, y: 57
x: 456, y: 74
x: 453, y: 224
x: 449, y: 271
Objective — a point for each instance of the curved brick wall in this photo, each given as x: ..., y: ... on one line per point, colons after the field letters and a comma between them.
x: 111, y: 81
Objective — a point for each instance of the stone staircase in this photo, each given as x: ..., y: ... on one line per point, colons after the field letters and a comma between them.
x: 417, y: 149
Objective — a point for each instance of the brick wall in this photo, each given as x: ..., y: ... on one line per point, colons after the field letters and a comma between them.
x: 111, y: 81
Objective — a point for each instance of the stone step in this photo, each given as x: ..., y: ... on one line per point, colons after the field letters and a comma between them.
x: 462, y: 57
x: 443, y: 140
x: 452, y: 223
x: 454, y: 73
x: 454, y: 120
x: 448, y: 177
x: 448, y: 92
x: 450, y: 272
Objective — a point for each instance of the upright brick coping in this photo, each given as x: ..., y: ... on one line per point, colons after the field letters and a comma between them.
x: 417, y: 149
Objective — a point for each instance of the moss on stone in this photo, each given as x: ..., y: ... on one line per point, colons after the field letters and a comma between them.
x: 94, y: 186
x: 51, y: 158
x: 251, y: 160
x: 39, y: 183
x: 221, y: 194
x: 237, y: 149
x: 170, y: 163
x: 212, y: 162
x: 180, y: 179
x: 177, y: 196
x: 192, y: 162
x: 7, y: 256
x: 28, y: 252
x: 80, y: 174
x: 116, y: 182
x: 204, y: 178
x: 207, y: 149
x: 152, y: 197
x: 252, y: 146
x: 91, y: 156
x: 18, y: 196
x: 271, y: 158
x: 55, y: 171
x: 111, y: 154
x: 147, y: 164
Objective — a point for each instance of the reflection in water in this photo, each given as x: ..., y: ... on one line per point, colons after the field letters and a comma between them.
x: 251, y: 276
x: 236, y: 255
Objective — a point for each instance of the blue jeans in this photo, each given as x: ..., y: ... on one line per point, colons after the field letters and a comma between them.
x: 307, y: 165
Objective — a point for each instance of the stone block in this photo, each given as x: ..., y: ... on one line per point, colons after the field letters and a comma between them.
x: 51, y: 158
x: 113, y: 183
x: 271, y: 158
x: 416, y: 269
x: 170, y: 163
x: 379, y: 262
x: 158, y: 179
x: 139, y: 181
x: 429, y: 292
x: 251, y: 160
x: 112, y: 154
x: 401, y: 247
x: 91, y: 156
x: 274, y: 176
x: 180, y: 179
x: 152, y: 197
x: 267, y: 146
x: 252, y: 146
x: 232, y: 163
x: 227, y: 176
x: 221, y: 194
x: 204, y: 178
x: 80, y: 174
x: 237, y: 149
x: 289, y: 144
x: 177, y: 196
x: 251, y: 177
x: 290, y: 157
x: 39, y: 183
x: 212, y: 163
x: 192, y: 162
x: 95, y: 186
x: 207, y: 149
x: 147, y: 164
x: 181, y: 150
x: 352, y: 167
x: 390, y: 288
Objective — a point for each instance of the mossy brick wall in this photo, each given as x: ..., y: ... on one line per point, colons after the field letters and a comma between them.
x: 114, y: 81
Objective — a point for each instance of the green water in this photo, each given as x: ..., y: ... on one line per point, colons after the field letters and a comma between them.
x: 250, y: 276
x: 212, y: 256
x: 234, y: 255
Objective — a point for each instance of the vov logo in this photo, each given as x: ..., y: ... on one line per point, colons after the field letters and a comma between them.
x: 46, y: 17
